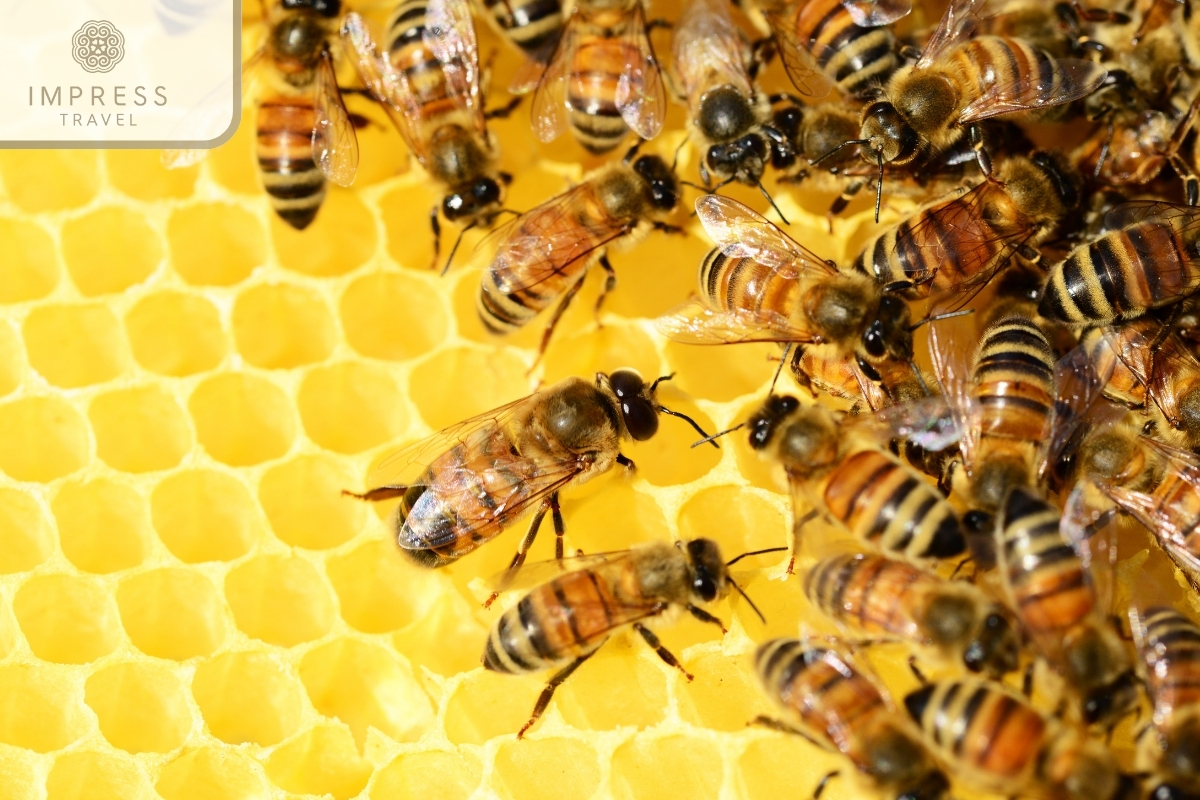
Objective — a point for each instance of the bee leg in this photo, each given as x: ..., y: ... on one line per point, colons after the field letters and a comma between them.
x: 762, y: 53
x: 763, y: 721
x: 662, y: 651
x: 916, y: 671
x: 665, y: 228
x: 558, y: 312
x: 843, y: 200
x: 523, y: 550
x: 544, y: 698
x: 378, y: 493
x: 559, y: 527
x: 506, y: 110
x: 817, y: 792
x: 436, y: 227
x: 1027, y: 680
x: 1030, y: 254
x: 1191, y: 183
x: 626, y: 462
x: 796, y: 528
x: 704, y: 616
x: 975, y: 133
x: 610, y: 283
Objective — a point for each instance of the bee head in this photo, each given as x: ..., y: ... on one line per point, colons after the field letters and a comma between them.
x: 887, y: 135
x: 472, y: 200
x: 639, y: 411
x: 724, y: 114
x: 995, y: 647
x: 1110, y: 701
x: 744, y: 158
x: 661, y: 183
x: 766, y: 421
x: 325, y: 8
x: 890, y: 333
x: 1189, y: 414
x: 707, y: 570
x: 297, y: 42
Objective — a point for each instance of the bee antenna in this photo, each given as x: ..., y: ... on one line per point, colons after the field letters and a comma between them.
x: 678, y: 150
x: 704, y: 189
x: 782, y: 360
x: 879, y: 187
x: 763, y: 189
x: 660, y: 379
x: 693, y: 423
x: 707, y: 439
x: 740, y: 591
x: 836, y: 149
x: 733, y: 561
x: 454, y: 249
x: 940, y: 317
x: 631, y: 152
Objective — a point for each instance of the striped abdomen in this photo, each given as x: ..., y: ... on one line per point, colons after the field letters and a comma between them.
x: 554, y: 624
x: 991, y: 61
x: 742, y: 284
x: 1170, y: 647
x: 882, y: 501
x: 290, y: 176
x: 1013, y: 381
x: 530, y: 24
x: 408, y: 53
x: 1124, y: 354
x: 856, y: 58
x: 980, y: 728
x: 595, y: 70
x: 871, y: 594
x: 1120, y: 275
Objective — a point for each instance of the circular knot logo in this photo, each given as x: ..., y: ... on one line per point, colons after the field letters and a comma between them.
x: 98, y: 46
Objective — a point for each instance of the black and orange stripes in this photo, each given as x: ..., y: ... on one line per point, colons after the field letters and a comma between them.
x: 530, y: 24
x: 284, y: 131
x: 855, y: 58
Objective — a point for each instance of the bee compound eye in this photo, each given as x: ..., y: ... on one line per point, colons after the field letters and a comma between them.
x: 641, y: 418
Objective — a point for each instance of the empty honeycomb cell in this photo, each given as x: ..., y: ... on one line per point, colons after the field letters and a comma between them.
x: 142, y: 707
x: 31, y: 267
x: 785, y: 598
x: 614, y: 517
x: 351, y: 407
x: 44, y: 438
x: 279, y: 325
x: 141, y: 175
x: 656, y: 276
x: 615, y: 688
x: 722, y: 373
x: 207, y: 773
x: 279, y: 599
x: 75, y: 345
x: 172, y: 613
x: 67, y: 620
x: 140, y: 430
x: 393, y: 315
x: 215, y: 244
x: 109, y: 249
x: 378, y: 589
x: 737, y: 520
x: 40, y: 708
x: 304, y: 502
x: 176, y: 334
x: 203, y: 515
x: 411, y: 245
x: 26, y: 538
x: 433, y: 773
x: 457, y: 383
x: 103, y: 526
x: 248, y: 697
x: 8, y: 633
x: 724, y: 696
x: 242, y: 419
x: 785, y: 766
x: 364, y: 686
x: 322, y: 760
x: 610, y: 348
x: 50, y: 180
x: 341, y: 238
x: 20, y: 778
x: 11, y: 362
x: 85, y: 775
x: 547, y: 769
x: 670, y: 766
x: 487, y: 704
x: 450, y: 619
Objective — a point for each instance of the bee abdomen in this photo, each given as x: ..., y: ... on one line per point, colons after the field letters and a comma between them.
x: 290, y: 176
x: 869, y: 592
x: 853, y: 56
x: 1174, y: 641
x: 744, y: 284
x: 531, y: 24
x: 592, y: 85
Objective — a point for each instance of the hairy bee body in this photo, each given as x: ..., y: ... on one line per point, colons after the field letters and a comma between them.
x: 857, y: 59
x: 290, y: 176
x: 1169, y: 644
x: 530, y: 24
x: 604, y: 49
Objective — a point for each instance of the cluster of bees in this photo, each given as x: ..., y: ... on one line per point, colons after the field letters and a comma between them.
x: 1068, y: 271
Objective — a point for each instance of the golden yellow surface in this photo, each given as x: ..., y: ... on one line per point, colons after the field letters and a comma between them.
x: 189, y: 608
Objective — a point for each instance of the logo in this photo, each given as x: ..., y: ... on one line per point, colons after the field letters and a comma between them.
x: 98, y: 46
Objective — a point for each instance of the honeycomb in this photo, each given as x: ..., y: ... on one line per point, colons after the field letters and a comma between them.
x: 190, y: 610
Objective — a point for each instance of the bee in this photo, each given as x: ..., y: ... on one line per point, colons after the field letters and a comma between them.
x: 958, y: 82
x: 428, y: 83
x: 532, y: 25
x: 864, y: 490
x: 465, y: 485
x: 563, y: 622
x: 759, y: 284
x: 995, y: 740
x: 960, y: 243
x: 1150, y: 259
x: 602, y: 80
x: 544, y: 253
x: 1126, y: 353
x: 1049, y: 585
x: 873, y: 595
x: 304, y: 134
x: 1169, y: 647
x: 837, y: 707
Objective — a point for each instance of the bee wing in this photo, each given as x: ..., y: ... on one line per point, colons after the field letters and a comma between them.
x: 334, y: 142
x: 1172, y: 361
x: 956, y: 26
x: 450, y: 36
x: 641, y: 97
x: 873, y: 13
x: 538, y: 572
x: 1182, y: 218
x: 1077, y: 387
x: 695, y: 323
x: 951, y: 373
x: 709, y: 49
x: 1093, y: 538
x: 799, y: 61
x: 928, y: 422
x: 741, y: 232
x: 1131, y: 346
x: 388, y: 86
x: 1052, y: 83
x: 548, y: 111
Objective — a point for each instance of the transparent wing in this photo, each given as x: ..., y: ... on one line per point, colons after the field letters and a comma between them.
x: 1077, y: 387
x: 801, y: 65
x: 529, y: 74
x: 695, y: 323
x: 928, y: 422
x: 548, y: 112
x: 741, y: 232
x: 709, y: 50
x: 334, y: 143
x: 1182, y: 218
x: 538, y: 572
x: 1059, y: 81
x: 956, y: 26
x: 951, y: 370
x: 450, y: 36
x: 873, y: 13
x: 641, y: 97
x: 1174, y: 366
x: 1093, y: 538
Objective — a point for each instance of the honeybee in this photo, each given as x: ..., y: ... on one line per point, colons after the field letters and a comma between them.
x: 759, y: 284
x: 304, y: 134
x: 960, y: 81
x: 532, y: 25
x: 1135, y: 145
x: 836, y: 707
x: 602, y: 79
x: 544, y: 253
x: 1151, y: 259
x: 1049, y: 585
x: 1126, y: 353
x: 463, y: 486
x: 873, y: 595
x: 958, y: 244
x: 562, y: 622
x: 995, y: 740
x: 429, y: 85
